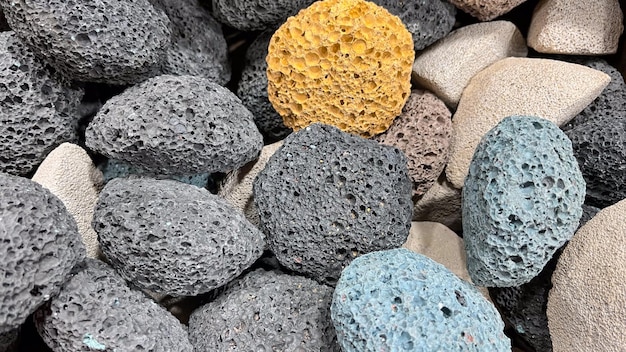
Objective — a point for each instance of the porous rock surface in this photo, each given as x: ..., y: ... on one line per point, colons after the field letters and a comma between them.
x: 69, y: 174
x: 252, y: 90
x: 576, y: 27
x: 522, y: 200
x: 426, y: 20
x: 345, y: 63
x: 40, y: 246
x: 442, y: 204
x: 326, y: 197
x: 587, y: 303
x: 176, y: 125
x: 423, y: 132
x: 612, y: 100
x: 39, y: 108
x: 172, y: 238
x: 524, y: 307
x: 236, y: 187
x: 118, y: 169
x: 600, y: 148
x: 398, y: 300
x: 9, y: 340
x: 109, y: 41
x: 97, y: 311
x: 446, y: 67
x: 198, y: 45
x: 550, y: 89
x: 486, y: 10
x: 266, y: 311
x: 252, y: 15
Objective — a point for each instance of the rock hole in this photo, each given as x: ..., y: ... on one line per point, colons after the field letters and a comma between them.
x: 446, y: 311
x: 516, y: 259
x: 460, y: 298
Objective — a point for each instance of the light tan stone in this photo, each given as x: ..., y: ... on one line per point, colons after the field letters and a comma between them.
x: 577, y: 27
x: 442, y: 245
x: 236, y: 187
x: 486, y: 10
x: 446, y: 67
x: 549, y: 89
x: 587, y: 304
x: 69, y: 173
x: 442, y: 204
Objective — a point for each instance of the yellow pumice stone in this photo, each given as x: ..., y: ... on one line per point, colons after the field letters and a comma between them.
x: 345, y: 63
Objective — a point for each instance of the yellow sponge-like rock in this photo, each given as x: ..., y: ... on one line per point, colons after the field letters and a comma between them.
x: 345, y: 63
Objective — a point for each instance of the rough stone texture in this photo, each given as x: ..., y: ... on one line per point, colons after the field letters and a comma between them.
x: 8, y: 340
x: 486, y: 10
x: 118, y: 169
x: 38, y: 110
x: 522, y: 200
x: 326, y: 197
x: 446, y: 67
x: 176, y: 125
x: 524, y: 307
x: 236, y: 187
x: 252, y: 15
x: 69, y: 174
x: 109, y: 41
x: 266, y: 311
x: 423, y: 132
x: 612, y: 100
x: 198, y: 45
x: 442, y: 204
x: 96, y: 311
x: 550, y: 89
x: 600, y: 148
x: 345, y: 63
x: 576, y: 27
x: 426, y: 20
x: 252, y: 90
x: 173, y: 238
x: 40, y: 246
x: 587, y: 304
x: 398, y: 300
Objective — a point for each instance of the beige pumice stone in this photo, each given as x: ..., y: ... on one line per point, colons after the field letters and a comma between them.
x: 446, y: 67
x: 576, y: 27
x: 587, y: 303
x: 69, y: 173
x: 441, y: 203
x: 549, y: 89
x: 486, y: 10
x: 236, y: 187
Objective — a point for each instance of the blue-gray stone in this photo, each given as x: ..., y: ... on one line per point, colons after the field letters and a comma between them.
x: 252, y: 15
x: 398, y: 300
x: 522, y: 200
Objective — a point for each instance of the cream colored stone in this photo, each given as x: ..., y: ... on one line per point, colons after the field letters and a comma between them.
x: 446, y: 67
x: 576, y: 27
x: 69, y: 173
x: 549, y: 89
x: 587, y: 304
x: 486, y: 10
x: 442, y: 204
x: 442, y: 245
x: 237, y: 185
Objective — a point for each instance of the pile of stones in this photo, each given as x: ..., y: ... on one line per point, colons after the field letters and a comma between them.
x: 300, y: 175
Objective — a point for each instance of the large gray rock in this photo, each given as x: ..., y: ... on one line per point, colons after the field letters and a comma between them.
x: 252, y: 15
x: 252, y: 90
x: 427, y: 20
x: 111, y: 41
x: 40, y: 246
x: 97, y: 311
x: 522, y: 200
x: 327, y: 197
x: 172, y: 238
x: 39, y: 108
x: 198, y: 45
x: 266, y: 311
x: 176, y: 125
